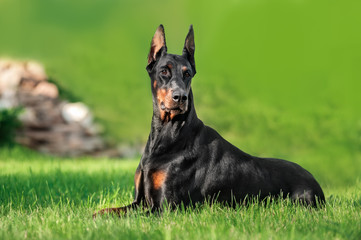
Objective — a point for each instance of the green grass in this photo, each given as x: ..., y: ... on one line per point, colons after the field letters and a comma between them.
x: 276, y: 78
x: 44, y: 198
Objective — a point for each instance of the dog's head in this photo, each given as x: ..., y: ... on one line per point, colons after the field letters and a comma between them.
x: 171, y: 75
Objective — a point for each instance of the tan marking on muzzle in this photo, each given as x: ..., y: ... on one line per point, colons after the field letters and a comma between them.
x: 164, y: 96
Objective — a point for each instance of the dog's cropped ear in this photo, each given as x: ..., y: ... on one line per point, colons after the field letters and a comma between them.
x: 189, y: 47
x: 157, y: 47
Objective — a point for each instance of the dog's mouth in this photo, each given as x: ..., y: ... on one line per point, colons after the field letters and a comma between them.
x: 179, y: 108
x: 168, y: 113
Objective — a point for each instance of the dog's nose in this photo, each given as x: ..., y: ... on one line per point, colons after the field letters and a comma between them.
x: 179, y: 96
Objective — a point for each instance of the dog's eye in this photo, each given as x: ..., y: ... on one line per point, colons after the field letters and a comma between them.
x: 187, y: 74
x: 164, y: 72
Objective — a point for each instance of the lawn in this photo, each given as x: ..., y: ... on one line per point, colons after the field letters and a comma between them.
x: 276, y: 78
x: 44, y: 198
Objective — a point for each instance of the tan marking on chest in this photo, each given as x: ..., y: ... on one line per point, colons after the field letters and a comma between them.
x: 158, y: 179
x: 137, y: 180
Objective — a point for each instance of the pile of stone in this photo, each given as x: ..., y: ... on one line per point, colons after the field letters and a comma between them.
x: 49, y: 124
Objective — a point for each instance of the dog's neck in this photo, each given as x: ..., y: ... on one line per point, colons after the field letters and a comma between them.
x: 165, y: 134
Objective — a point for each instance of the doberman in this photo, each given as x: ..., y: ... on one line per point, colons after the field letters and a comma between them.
x: 186, y: 162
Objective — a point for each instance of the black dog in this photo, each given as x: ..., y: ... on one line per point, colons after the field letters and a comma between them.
x: 187, y: 162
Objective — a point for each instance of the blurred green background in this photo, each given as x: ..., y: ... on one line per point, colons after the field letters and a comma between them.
x: 276, y: 78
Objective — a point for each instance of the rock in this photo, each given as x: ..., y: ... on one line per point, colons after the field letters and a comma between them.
x: 4, y: 64
x: 27, y: 84
x: 49, y: 124
x: 94, y: 129
x: 10, y: 78
x: 128, y: 151
x: 36, y: 70
x: 78, y: 113
x: 28, y: 117
x: 46, y: 89
x: 8, y: 99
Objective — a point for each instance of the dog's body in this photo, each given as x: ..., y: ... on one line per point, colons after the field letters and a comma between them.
x: 186, y: 162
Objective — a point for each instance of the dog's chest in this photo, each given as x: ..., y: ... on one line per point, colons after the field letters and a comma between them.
x: 170, y: 183
x: 154, y: 183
